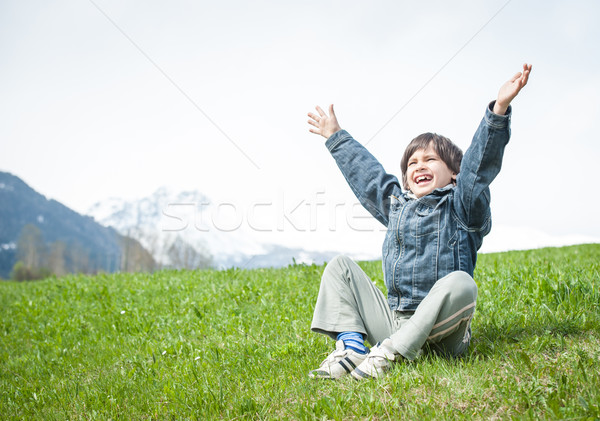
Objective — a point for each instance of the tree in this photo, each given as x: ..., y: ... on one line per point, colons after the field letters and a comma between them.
x: 56, y: 258
x: 31, y: 255
x: 183, y: 255
x: 78, y: 259
x: 31, y: 249
x: 134, y: 257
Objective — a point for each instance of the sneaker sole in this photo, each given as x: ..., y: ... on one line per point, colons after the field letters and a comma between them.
x: 360, y: 375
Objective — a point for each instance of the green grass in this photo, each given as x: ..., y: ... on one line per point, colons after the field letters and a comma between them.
x: 236, y: 344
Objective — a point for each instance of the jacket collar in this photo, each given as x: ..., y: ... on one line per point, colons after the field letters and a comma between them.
x: 437, y: 192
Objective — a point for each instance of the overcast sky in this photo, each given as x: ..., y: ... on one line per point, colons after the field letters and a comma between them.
x: 107, y: 98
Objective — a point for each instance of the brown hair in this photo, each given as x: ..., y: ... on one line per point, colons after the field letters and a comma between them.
x: 444, y: 147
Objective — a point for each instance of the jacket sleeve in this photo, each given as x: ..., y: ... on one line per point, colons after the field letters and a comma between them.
x: 480, y: 165
x: 365, y: 175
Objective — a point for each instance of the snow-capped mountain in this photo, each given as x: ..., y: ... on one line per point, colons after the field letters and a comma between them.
x: 187, y: 230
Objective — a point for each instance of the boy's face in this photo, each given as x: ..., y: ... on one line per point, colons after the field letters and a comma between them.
x: 426, y: 172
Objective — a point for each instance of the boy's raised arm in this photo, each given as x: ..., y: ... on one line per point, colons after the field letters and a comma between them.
x: 366, y: 177
x: 482, y: 161
x: 324, y: 124
x: 511, y: 89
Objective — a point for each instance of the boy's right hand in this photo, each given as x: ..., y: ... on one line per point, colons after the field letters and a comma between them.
x: 325, y: 125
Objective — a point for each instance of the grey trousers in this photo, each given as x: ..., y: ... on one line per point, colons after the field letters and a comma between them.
x: 349, y: 301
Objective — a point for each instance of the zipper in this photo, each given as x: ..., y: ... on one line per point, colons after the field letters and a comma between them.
x: 402, y: 212
x: 399, y: 253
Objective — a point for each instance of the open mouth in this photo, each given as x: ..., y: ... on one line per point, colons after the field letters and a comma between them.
x: 422, y: 179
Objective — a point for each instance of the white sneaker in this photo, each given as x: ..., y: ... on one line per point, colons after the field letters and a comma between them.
x: 340, y: 362
x: 378, y: 361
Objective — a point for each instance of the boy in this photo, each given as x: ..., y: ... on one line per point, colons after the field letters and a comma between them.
x: 434, y: 231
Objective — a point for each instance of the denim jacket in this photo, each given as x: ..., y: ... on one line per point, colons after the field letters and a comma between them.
x: 434, y: 235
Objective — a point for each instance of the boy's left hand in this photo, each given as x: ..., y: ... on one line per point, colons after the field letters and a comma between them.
x: 511, y: 89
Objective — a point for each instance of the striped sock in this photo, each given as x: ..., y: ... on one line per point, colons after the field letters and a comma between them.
x: 353, y: 341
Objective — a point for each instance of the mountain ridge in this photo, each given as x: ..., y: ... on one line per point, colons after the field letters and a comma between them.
x: 81, y: 238
x: 168, y: 220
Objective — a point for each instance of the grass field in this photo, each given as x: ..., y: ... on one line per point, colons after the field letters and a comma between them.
x: 236, y: 344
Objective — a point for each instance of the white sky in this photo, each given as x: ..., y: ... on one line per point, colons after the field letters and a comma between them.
x: 87, y: 115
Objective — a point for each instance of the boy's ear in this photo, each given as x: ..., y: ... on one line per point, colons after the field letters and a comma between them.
x: 454, y: 175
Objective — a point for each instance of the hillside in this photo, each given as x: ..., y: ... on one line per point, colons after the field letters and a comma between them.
x: 80, y: 243
x: 236, y: 344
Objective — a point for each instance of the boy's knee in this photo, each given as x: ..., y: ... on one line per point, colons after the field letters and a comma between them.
x: 340, y: 267
x: 340, y: 259
x: 461, y: 284
x: 339, y: 263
